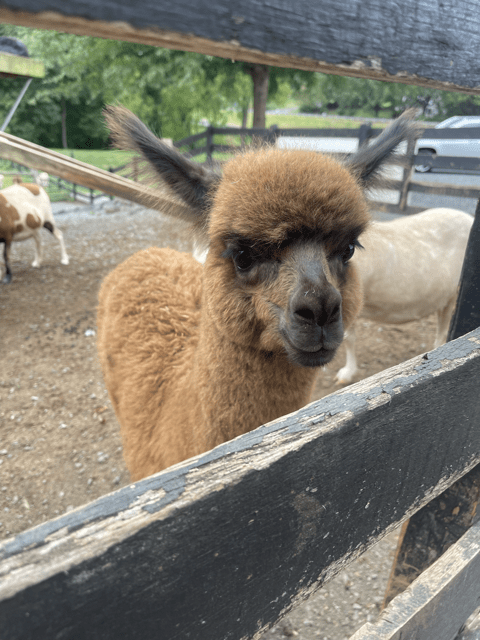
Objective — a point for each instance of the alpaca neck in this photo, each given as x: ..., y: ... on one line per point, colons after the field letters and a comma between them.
x: 242, y: 388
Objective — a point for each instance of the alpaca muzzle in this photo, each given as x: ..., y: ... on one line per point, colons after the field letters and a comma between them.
x: 312, y: 326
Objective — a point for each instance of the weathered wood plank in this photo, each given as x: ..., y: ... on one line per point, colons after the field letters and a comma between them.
x: 37, y: 157
x: 21, y: 66
x: 436, y: 604
x: 423, y: 42
x: 223, y: 544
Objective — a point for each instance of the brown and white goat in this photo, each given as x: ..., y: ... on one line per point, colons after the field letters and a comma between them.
x: 410, y: 268
x: 194, y: 356
x: 24, y: 210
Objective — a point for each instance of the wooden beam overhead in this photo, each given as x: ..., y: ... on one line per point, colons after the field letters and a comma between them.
x: 420, y: 42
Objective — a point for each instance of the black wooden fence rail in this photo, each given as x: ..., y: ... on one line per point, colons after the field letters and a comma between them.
x: 216, y: 151
x: 221, y: 545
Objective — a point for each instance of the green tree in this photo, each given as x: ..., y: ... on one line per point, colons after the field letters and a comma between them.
x: 172, y: 91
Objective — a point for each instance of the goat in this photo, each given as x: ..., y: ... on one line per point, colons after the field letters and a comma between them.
x: 192, y: 355
x: 42, y: 179
x: 410, y: 268
x: 24, y: 209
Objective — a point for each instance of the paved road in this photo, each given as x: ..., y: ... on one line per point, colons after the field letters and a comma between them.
x: 347, y: 145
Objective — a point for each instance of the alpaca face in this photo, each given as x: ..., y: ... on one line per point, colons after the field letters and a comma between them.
x: 278, y: 274
x: 281, y: 226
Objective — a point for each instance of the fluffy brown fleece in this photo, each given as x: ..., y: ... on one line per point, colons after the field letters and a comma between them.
x: 194, y: 356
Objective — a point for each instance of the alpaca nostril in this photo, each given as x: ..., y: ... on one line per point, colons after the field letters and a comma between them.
x: 306, y: 314
x: 319, y: 314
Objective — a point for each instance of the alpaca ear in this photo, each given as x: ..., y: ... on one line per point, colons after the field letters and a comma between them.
x: 367, y: 163
x: 187, y: 180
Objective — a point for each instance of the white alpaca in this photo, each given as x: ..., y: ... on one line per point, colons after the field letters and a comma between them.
x: 410, y: 268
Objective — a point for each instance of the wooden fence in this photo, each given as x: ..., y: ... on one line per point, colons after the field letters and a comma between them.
x: 220, y: 546
x: 204, y: 143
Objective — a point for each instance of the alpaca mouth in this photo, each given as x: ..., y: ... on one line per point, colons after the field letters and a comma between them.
x: 312, y: 355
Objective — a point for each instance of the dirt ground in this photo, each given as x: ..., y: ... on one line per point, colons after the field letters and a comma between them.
x: 59, y: 439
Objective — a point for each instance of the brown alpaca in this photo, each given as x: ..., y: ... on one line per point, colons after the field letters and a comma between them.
x: 194, y: 356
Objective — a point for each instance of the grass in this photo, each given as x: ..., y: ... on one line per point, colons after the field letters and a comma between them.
x: 299, y: 121
x: 294, y: 121
x: 101, y: 158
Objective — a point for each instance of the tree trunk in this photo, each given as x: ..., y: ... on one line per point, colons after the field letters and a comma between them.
x: 260, y: 74
x: 64, y: 124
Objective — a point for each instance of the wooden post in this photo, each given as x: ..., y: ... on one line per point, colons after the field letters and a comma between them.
x: 433, y: 529
x: 135, y: 169
x: 407, y: 172
x: 273, y: 134
x: 467, y: 312
x: 365, y: 132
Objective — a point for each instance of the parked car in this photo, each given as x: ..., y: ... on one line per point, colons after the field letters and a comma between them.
x: 459, y: 148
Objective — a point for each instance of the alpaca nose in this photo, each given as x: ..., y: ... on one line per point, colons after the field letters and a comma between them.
x: 317, y: 307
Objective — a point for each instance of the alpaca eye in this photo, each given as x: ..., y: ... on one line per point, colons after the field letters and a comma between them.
x: 348, y: 253
x: 243, y: 260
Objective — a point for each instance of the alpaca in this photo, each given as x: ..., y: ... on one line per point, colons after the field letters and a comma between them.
x: 192, y: 355
x: 410, y: 268
x: 24, y: 209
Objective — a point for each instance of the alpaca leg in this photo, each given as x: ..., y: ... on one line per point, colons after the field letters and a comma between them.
x: 443, y: 322
x: 38, y: 250
x: 346, y: 373
x: 59, y: 236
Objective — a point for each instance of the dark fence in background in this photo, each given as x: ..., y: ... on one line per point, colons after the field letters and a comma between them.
x: 236, y: 138
x: 218, y: 143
